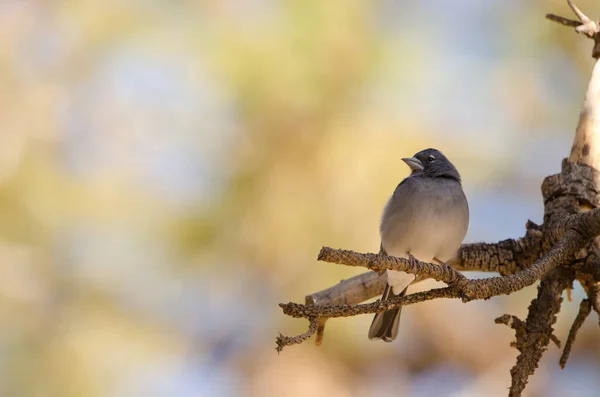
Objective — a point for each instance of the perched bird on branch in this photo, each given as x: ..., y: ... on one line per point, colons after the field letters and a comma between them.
x: 426, y: 219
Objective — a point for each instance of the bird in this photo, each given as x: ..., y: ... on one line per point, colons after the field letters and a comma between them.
x: 426, y: 218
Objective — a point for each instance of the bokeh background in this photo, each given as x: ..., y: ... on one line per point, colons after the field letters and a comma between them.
x: 170, y: 169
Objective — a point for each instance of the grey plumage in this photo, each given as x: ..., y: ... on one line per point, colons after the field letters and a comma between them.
x: 427, y: 217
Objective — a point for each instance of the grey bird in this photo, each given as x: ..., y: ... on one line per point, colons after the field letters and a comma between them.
x: 426, y: 219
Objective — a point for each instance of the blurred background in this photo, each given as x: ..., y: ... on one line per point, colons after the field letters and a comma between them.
x: 169, y: 171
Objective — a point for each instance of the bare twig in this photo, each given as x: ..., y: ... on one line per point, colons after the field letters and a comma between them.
x: 463, y: 288
x: 379, y: 263
x: 568, y: 199
x: 298, y: 310
x: 320, y: 331
x: 518, y: 325
x: 292, y: 340
x: 555, y: 339
x: 580, y: 15
x: 584, y: 310
x: 351, y: 291
x: 586, y: 26
x: 354, y: 290
x: 505, y: 257
x: 578, y: 230
x: 563, y: 21
x: 520, y: 331
x: 538, y: 325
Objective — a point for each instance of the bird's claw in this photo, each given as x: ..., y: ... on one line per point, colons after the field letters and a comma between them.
x: 413, y: 261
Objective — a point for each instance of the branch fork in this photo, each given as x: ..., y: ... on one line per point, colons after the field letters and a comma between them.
x: 583, y: 25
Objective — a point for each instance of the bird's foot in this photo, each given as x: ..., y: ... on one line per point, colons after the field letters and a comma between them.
x: 413, y: 261
x: 439, y: 262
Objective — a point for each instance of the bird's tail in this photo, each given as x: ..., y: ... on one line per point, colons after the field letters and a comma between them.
x: 385, y: 325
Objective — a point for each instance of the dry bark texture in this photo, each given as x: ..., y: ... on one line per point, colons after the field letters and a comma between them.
x: 564, y: 249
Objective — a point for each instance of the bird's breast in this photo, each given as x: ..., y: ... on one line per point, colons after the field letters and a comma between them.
x: 427, y: 221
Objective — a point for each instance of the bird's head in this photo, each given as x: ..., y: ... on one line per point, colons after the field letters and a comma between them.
x: 433, y: 164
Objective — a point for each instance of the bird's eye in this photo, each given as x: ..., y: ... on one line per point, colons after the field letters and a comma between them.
x: 431, y: 158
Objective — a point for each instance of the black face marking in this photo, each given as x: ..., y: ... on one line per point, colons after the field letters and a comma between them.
x: 436, y: 165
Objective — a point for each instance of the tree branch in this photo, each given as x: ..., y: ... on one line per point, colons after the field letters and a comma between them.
x: 586, y: 148
x: 578, y: 229
x: 459, y: 287
x: 585, y: 309
x: 351, y: 291
x: 292, y: 340
x: 380, y: 263
x: 585, y: 26
x: 518, y: 325
x: 298, y: 310
x: 567, y: 198
x: 538, y: 326
x: 563, y: 21
x: 520, y: 331
x: 505, y: 257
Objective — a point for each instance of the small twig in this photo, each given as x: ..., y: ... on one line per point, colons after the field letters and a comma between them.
x: 283, y: 340
x: 580, y: 15
x: 585, y: 26
x: 538, y: 325
x: 380, y: 263
x: 311, y: 300
x: 505, y: 257
x: 588, y: 27
x: 585, y: 309
x: 459, y: 286
x: 472, y: 289
x: 518, y: 325
x: 298, y: 310
x: 554, y: 339
x: 520, y: 330
x: 563, y: 21
x: 594, y: 297
x: 351, y: 291
x: 320, y: 331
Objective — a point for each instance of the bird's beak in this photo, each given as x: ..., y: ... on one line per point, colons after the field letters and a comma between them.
x: 414, y: 163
